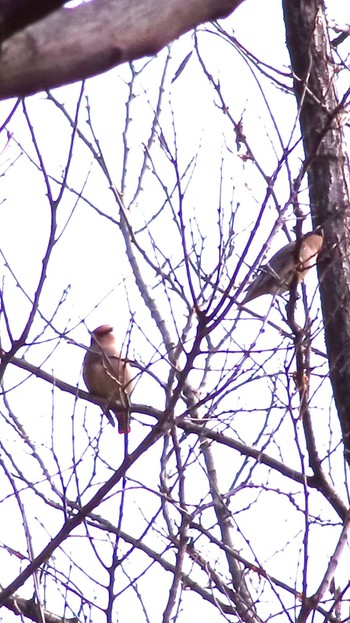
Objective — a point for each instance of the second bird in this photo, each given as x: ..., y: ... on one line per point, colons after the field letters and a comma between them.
x: 107, y: 375
x: 276, y: 277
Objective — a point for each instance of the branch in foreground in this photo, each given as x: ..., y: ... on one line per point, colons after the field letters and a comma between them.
x: 17, y: 14
x: 68, y: 46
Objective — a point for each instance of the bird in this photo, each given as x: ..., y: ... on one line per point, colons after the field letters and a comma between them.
x: 277, y: 276
x: 107, y: 375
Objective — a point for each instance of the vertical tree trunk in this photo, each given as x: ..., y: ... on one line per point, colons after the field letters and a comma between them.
x: 328, y: 174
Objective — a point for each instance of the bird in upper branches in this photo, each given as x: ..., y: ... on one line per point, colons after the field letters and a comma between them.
x: 108, y: 375
x: 293, y: 260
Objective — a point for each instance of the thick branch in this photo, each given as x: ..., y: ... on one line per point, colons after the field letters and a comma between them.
x: 17, y: 14
x: 73, y: 44
x: 31, y: 610
x: 241, y: 594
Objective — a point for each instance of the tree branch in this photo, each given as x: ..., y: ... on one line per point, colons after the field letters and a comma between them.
x: 17, y: 14
x: 68, y: 45
x: 31, y: 610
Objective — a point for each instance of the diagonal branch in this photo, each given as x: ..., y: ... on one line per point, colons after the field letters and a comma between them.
x: 33, y: 611
x: 67, y: 45
x: 17, y: 14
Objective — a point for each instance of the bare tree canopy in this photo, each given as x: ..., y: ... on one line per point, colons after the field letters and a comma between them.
x: 74, y: 44
x: 174, y: 238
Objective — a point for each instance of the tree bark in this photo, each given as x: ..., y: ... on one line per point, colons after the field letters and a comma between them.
x: 73, y: 44
x: 17, y: 14
x: 328, y: 174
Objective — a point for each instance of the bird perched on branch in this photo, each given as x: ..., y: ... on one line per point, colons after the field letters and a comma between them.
x: 107, y: 375
x: 293, y: 260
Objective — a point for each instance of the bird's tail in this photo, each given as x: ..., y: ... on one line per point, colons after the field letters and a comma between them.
x: 123, y: 418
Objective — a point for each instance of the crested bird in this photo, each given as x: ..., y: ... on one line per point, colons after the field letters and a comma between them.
x: 107, y: 375
x: 292, y: 261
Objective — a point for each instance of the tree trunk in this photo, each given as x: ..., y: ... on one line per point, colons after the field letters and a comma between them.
x: 328, y: 174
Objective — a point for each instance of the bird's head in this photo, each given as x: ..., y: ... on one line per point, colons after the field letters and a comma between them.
x: 103, y: 336
x: 103, y: 330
